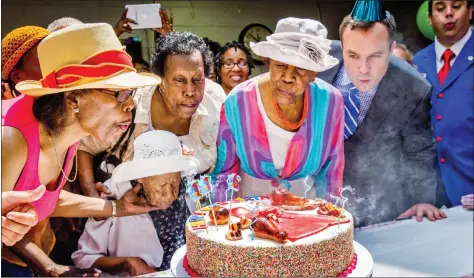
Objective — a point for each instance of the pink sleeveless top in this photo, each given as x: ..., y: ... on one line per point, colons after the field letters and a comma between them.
x: 20, y: 116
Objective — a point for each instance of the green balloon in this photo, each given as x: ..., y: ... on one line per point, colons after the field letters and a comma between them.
x: 423, y: 22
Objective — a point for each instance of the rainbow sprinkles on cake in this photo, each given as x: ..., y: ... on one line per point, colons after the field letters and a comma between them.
x: 279, y: 235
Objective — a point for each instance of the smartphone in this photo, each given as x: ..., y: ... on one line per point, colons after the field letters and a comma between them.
x: 147, y: 15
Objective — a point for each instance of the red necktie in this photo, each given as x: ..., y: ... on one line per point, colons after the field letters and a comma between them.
x: 443, y: 72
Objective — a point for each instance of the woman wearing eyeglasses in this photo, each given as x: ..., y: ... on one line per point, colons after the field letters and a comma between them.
x: 186, y: 104
x: 234, y: 64
x: 86, y: 89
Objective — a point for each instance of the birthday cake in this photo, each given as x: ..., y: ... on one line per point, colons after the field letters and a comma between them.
x: 277, y: 235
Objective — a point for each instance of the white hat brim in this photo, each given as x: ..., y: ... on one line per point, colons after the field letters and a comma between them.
x: 276, y: 52
x: 122, y: 81
x: 155, y: 166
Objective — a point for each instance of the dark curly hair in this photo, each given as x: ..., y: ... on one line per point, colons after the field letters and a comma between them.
x: 218, y: 59
x: 50, y: 110
x: 180, y: 43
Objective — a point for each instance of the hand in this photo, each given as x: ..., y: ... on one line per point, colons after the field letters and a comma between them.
x: 166, y: 24
x: 97, y: 190
x: 12, y: 199
x: 421, y: 210
x: 131, y: 204
x: 123, y: 24
x: 18, y: 215
x: 72, y: 271
x: 136, y: 266
x: 7, y: 93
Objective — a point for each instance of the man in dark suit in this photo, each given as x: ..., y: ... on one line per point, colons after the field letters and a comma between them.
x: 389, y: 146
x: 448, y: 65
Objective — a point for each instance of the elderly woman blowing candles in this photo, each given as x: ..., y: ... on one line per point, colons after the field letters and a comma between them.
x: 279, y: 127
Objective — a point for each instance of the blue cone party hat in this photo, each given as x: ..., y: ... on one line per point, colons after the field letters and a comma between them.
x: 368, y: 10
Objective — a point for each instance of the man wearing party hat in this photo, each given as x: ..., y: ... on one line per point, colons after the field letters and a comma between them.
x: 448, y: 65
x: 389, y: 146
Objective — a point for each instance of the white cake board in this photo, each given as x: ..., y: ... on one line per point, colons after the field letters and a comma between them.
x: 365, y: 262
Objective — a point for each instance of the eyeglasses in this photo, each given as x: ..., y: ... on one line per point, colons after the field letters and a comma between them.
x: 231, y: 64
x: 120, y: 96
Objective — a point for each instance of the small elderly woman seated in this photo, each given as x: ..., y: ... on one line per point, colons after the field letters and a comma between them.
x: 279, y: 128
x: 138, y: 244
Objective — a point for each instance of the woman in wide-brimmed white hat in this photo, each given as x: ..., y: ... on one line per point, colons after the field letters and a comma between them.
x: 116, y: 245
x: 279, y: 128
x: 87, y: 88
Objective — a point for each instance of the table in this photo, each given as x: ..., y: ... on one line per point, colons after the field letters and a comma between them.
x: 432, y: 249
x: 412, y: 249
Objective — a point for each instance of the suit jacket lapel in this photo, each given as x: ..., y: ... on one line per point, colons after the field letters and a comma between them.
x: 460, y: 64
x: 431, y: 70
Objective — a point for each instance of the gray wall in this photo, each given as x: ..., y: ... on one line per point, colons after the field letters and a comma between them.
x: 221, y: 21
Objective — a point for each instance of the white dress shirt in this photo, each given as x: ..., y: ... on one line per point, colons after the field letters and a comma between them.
x: 456, y: 48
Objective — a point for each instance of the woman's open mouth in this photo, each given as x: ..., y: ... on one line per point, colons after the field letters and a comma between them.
x: 236, y: 78
x: 124, y: 125
x: 190, y: 106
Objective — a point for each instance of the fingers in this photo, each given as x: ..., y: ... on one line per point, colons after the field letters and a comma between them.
x: 126, y: 28
x: 12, y: 199
x: 33, y: 195
x: 430, y: 215
x: 124, y: 14
x: 136, y: 188
x: 28, y: 218
x: 7, y: 240
x: 419, y: 213
x: 12, y: 232
x: 129, y: 20
x: 99, y: 218
x: 7, y: 92
x: 437, y: 214
x: 91, y: 270
x: 14, y: 236
x: 163, y: 15
x: 14, y: 226
x: 101, y: 188
x: 406, y: 214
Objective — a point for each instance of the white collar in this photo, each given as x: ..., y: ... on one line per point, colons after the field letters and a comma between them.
x: 456, y: 48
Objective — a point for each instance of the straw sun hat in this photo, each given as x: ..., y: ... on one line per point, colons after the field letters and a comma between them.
x: 84, y: 56
x: 298, y: 42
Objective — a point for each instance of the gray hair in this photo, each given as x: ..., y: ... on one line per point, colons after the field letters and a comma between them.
x: 61, y: 23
